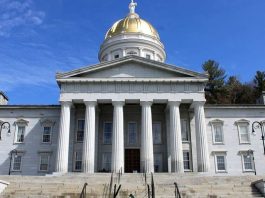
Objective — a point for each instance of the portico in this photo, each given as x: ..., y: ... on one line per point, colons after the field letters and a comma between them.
x: 120, y: 142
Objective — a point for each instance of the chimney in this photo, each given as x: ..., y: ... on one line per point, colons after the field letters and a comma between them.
x: 3, y: 98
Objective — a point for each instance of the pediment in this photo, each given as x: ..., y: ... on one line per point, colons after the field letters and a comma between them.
x: 131, y: 67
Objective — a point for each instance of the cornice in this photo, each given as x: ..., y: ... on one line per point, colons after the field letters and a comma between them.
x: 127, y: 59
x: 151, y: 80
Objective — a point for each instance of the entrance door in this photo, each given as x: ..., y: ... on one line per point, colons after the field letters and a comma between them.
x: 132, y: 160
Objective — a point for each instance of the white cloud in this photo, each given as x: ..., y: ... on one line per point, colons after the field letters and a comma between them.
x: 18, y: 13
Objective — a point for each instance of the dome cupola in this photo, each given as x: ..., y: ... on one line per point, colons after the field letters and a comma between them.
x: 132, y: 36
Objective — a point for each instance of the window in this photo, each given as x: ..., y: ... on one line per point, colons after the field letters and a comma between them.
x: 20, y: 134
x: 131, y: 53
x: 80, y: 130
x: 106, y: 162
x: 217, y: 130
x: 186, y: 160
x: 107, y: 135
x: 17, y: 162
x: 47, y: 126
x: 46, y: 137
x: 220, y: 162
x: 158, y: 162
x: 157, y: 133
x: 44, y: 162
x: 247, y: 160
x: 243, y: 130
x: 218, y: 133
x: 184, y: 130
x: 78, y: 161
x: 132, y: 133
x: 116, y: 56
x: 148, y: 56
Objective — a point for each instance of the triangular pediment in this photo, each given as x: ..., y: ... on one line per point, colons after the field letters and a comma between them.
x: 131, y: 67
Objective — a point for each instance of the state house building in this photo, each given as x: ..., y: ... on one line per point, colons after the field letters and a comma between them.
x: 131, y: 112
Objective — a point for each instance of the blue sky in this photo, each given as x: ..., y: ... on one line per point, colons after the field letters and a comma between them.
x: 39, y: 38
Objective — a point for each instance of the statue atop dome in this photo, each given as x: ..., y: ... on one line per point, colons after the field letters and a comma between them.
x: 132, y: 6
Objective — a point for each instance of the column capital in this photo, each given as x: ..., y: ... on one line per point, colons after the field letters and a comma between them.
x: 174, y: 103
x: 146, y: 103
x: 198, y: 103
x: 118, y: 103
x: 66, y: 103
x: 90, y: 103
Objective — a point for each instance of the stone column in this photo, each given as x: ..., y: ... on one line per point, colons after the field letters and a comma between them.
x: 117, y: 138
x: 176, y: 150
x: 201, y: 137
x: 63, y: 139
x: 88, y: 158
x: 147, y: 153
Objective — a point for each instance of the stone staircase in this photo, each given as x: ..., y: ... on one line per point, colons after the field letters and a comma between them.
x: 70, y: 186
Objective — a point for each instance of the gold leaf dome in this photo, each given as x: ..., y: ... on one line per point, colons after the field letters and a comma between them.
x: 132, y: 24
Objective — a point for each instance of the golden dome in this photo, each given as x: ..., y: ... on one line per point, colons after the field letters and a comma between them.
x: 132, y: 24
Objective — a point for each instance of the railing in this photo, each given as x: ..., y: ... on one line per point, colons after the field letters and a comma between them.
x: 119, y: 175
x: 83, y: 193
x: 177, y: 193
x: 152, y: 186
x: 110, y: 184
x: 116, y: 190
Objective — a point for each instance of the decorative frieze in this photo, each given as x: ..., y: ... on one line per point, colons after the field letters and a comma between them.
x: 131, y: 87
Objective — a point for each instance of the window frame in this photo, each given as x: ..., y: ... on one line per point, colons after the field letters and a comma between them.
x: 161, y: 168
x: 24, y: 132
x: 50, y: 135
x: 245, y: 153
x: 190, y: 164
x: 104, y: 139
x: 187, y: 128
x: 161, y: 139
x: 103, y: 162
x: 75, y: 157
x: 48, y: 163
x: 47, y: 123
x: 223, y: 154
x: 77, y: 131
x: 128, y: 133
x: 215, y: 123
x: 239, y: 123
x: 13, y: 162
x: 148, y: 56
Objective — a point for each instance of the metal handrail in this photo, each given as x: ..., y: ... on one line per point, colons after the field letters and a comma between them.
x: 83, y: 193
x: 116, y: 192
x: 152, y: 186
x: 110, y: 185
x: 119, y: 175
x: 177, y: 193
x: 148, y: 191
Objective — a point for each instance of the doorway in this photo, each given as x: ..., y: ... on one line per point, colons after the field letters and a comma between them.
x: 132, y: 160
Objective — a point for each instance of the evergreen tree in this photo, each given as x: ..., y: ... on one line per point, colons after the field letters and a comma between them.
x: 259, y: 82
x: 215, y: 86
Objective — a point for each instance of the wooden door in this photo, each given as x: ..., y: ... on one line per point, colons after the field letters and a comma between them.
x: 132, y: 160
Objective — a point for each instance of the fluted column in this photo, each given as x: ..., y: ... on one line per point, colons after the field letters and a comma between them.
x: 117, y: 138
x: 176, y: 150
x: 201, y: 137
x: 63, y: 138
x: 147, y: 153
x: 88, y: 159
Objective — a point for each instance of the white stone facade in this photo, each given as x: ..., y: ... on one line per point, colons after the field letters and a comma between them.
x: 32, y: 147
x: 131, y: 114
